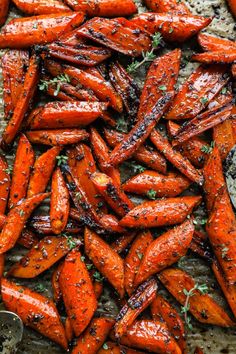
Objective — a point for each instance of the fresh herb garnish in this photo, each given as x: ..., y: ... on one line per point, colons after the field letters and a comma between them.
x: 151, y: 194
x: 207, y: 149
x: 134, y: 166
x: 40, y: 288
x: 58, y: 80
x: 98, y: 276
x: 71, y: 242
x: 204, y: 100
x: 61, y: 160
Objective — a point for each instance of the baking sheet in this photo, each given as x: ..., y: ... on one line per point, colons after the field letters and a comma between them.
x: 213, y: 340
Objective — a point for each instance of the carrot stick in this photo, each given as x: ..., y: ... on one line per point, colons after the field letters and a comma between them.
x: 212, y: 43
x: 35, y: 310
x: 166, y: 250
x: 57, y: 294
x: 27, y: 239
x: 138, y: 302
x: 173, y: 27
x: 42, y: 225
x: 232, y: 6
x: 2, y: 262
x: 123, y: 242
x: 130, y: 39
x: 220, y: 57
x: 77, y: 291
x: 175, y: 157
x: 134, y: 258
x: 22, y: 105
x: 42, y: 171
x: 224, y: 137
x: 233, y: 70
x: 169, y: 6
x: 16, y: 220
x: 105, y: 259
x: 4, y: 11
x: 60, y: 205
x: 57, y: 136
x: 32, y: 7
x: 14, y: 66
x: 69, y: 330
x: 110, y: 223
x: 198, y: 91
x: 170, y: 185
x: 198, y: 351
x: 27, y: 31
x: 94, y: 336
x: 4, y: 184
x: 41, y: 257
x: 23, y: 164
x: 161, y: 212
x: 201, y: 306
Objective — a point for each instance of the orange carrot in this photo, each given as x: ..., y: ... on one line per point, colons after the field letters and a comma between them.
x: 4, y: 11
x: 123, y: 242
x: 27, y: 239
x: 57, y: 295
x: 57, y: 136
x: 69, y: 330
x: 212, y: 44
x: 110, y: 223
x: 198, y: 351
x: 2, y: 262
x: 224, y: 137
x: 220, y: 57
x: 113, y: 348
x: 170, y: 6
x: 232, y: 6
x: 4, y: 184
x: 37, y: 7
x: 41, y: 224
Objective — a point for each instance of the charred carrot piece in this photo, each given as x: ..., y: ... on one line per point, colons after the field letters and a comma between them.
x: 42, y: 225
x: 212, y: 43
x: 173, y: 27
x: 198, y: 91
x: 219, y: 57
x: 165, y: 251
x: 14, y: 66
x: 21, y: 171
x: 84, y: 55
x: 175, y: 157
x: 161, y: 212
x: 202, y: 123
x: 123, y: 242
x: 143, y: 296
x: 101, y: 153
x: 77, y: 291
x: 60, y: 204
x: 94, y: 336
x: 170, y: 6
x: 113, y: 348
x: 67, y: 115
x: 98, y: 289
x: 105, y: 259
x: 2, y: 262
x: 27, y: 31
x: 22, y: 105
x: 201, y: 246
x: 140, y: 132
x: 30, y: 307
x: 110, y: 223
x: 126, y: 40
x: 201, y: 306
x: 42, y: 171
x: 47, y: 252
x: 134, y: 257
x: 16, y: 220
x: 27, y: 239
x: 192, y: 149
x: 127, y: 89
x: 32, y: 7
x: 170, y: 185
x: 4, y: 11
x: 57, y: 136
x: 2, y: 220
x: 224, y: 137
x: 61, y: 96
x: 106, y: 8
x: 57, y: 295
x: 151, y: 158
x: 162, y: 77
x: 152, y: 336
x: 69, y: 330
x: 232, y: 7
x: 198, y: 351
x: 233, y: 70
x: 112, y: 193
x: 161, y: 310
x: 4, y: 184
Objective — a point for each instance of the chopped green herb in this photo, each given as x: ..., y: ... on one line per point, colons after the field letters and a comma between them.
x: 140, y: 255
x: 105, y: 346
x: 71, y: 242
x: 89, y: 266
x: 224, y: 252
x: 207, y: 149
x: 204, y: 100
x: 171, y: 30
x: 224, y: 91
x: 202, y: 221
x: 58, y: 80
x: 9, y: 170
x: 78, y: 195
x: 98, y: 276
x: 162, y: 88
x: 134, y: 166
x: 61, y: 160
x: 82, y: 258
x: 151, y: 194
x: 21, y: 212
x: 122, y: 125
x: 40, y: 288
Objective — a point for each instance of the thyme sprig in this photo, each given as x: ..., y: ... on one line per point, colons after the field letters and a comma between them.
x: 58, y: 80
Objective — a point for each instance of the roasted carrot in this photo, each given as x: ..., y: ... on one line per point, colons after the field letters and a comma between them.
x: 2, y: 262
x: 77, y: 291
x: 27, y: 239
x: 170, y: 185
x: 37, y: 7
x: 106, y: 8
x: 214, y: 44
x: 105, y: 259
x: 41, y: 224
x: 118, y: 34
x: 35, y: 310
x: 2, y: 220
x: 69, y: 330
x: 112, y: 193
x: 57, y: 295
x: 224, y: 137
x: 198, y: 351
x: 233, y: 70
x: 201, y: 306
x: 201, y: 246
x: 162, y: 77
x: 113, y: 348
x: 161, y: 310
x: 202, y: 122
x: 138, y: 302
x: 161, y: 212
x: 94, y: 336
x: 175, y: 157
x: 23, y: 164
x: 123, y: 242
x: 197, y: 92
x: 127, y: 89
x: 152, y: 336
x: 151, y: 158
x: 140, y: 132
x: 110, y: 223
x: 192, y: 149
x: 232, y: 6
x: 166, y: 250
x: 134, y: 257
x: 59, y: 207
x: 42, y: 256
x: 27, y: 31
x: 170, y: 6
x: 220, y: 57
x: 42, y: 171
x: 23, y: 103
x: 67, y: 115
x: 57, y: 136
x: 14, y: 67
x: 98, y: 288
x: 4, y: 184
x: 173, y: 27
x: 61, y: 96
x: 16, y: 220
x: 4, y: 11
